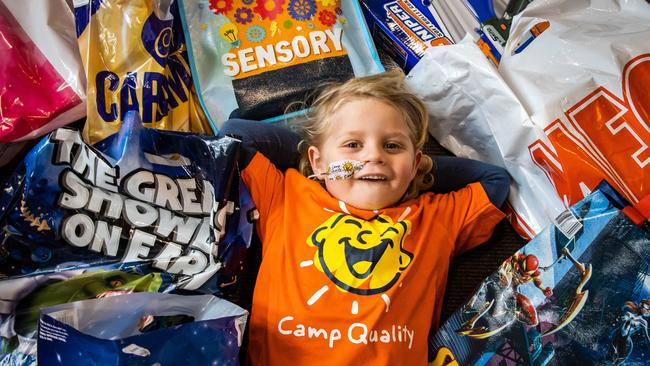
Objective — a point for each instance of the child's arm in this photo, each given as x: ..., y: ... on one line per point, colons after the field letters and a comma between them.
x: 451, y: 173
x: 277, y: 143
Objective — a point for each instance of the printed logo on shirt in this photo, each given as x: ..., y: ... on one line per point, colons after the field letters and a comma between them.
x: 361, y: 257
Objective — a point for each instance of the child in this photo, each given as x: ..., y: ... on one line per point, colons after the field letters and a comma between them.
x: 355, y: 261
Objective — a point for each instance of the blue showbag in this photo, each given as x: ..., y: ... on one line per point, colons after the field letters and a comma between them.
x: 576, y: 294
x: 166, y: 200
x: 142, y: 329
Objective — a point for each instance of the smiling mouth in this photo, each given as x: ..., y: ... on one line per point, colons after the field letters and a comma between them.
x: 375, y: 178
x: 361, y: 262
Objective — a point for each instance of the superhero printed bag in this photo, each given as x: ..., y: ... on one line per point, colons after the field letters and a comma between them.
x: 154, y: 329
x: 135, y: 59
x: 253, y: 58
x: 42, y: 84
x: 576, y: 294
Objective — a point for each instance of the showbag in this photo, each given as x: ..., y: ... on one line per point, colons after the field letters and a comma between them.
x: 579, y: 299
x: 168, y: 201
x: 153, y: 329
x: 567, y: 107
x: 42, y: 83
x: 135, y: 58
x: 584, y: 84
x: 253, y: 58
x: 23, y: 298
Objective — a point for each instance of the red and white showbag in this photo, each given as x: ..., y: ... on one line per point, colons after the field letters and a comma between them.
x: 569, y: 106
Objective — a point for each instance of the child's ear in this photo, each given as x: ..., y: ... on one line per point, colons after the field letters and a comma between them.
x: 315, y: 160
x: 418, y: 159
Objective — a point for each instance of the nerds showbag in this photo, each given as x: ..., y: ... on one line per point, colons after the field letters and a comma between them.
x: 577, y: 294
x: 143, y: 211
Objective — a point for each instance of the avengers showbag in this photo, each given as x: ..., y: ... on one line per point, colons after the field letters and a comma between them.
x: 163, y: 199
x: 567, y: 108
x: 579, y: 298
x: 253, y: 58
x: 42, y: 84
x: 135, y: 59
x: 23, y: 298
x: 153, y: 329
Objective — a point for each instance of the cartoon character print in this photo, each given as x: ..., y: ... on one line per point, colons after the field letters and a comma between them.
x: 361, y: 257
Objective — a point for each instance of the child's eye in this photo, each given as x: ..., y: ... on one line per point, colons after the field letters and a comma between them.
x: 351, y: 145
x: 393, y: 146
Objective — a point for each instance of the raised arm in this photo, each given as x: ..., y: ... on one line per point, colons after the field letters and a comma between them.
x: 277, y: 143
x: 451, y: 173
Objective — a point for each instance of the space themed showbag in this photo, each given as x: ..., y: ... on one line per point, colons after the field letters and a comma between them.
x: 135, y: 59
x: 253, y: 58
x: 576, y: 294
x: 23, y: 298
x: 154, y: 329
x: 166, y: 200
x: 42, y: 83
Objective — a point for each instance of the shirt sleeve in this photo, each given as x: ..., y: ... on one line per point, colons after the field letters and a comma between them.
x: 266, y: 185
x: 473, y: 217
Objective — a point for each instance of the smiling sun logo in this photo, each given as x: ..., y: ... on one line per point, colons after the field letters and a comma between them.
x: 361, y: 257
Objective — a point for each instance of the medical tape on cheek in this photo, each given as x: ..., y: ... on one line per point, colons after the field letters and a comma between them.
x: 341, y: 169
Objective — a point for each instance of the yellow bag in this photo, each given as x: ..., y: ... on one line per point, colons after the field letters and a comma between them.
x: 135, y: 58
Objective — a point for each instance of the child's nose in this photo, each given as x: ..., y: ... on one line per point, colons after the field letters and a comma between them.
x: 374, y: 154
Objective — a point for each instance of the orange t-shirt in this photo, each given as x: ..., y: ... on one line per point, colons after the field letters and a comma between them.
x: 338, y: 285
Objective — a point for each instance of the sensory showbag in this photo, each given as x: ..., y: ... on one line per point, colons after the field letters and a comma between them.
x: 579, y: 300
x: 161, y: 199
x: 42, y: 84
x: 253, y: 58
x: 23, y: 298
x: 153, y: 329
x: 135, y: 59
x: 567, y: 108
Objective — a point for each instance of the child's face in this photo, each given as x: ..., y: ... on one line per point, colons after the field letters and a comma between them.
x: 371, y: 131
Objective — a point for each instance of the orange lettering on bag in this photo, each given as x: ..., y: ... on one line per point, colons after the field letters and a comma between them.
x: 605, y: 138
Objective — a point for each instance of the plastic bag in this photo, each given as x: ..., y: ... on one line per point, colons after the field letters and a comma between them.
x: 135, y: 58
x: 471, y: 113
x: 578, y: 299
x: 252, y: 59
x: 571, y: 109
x: 42, y: 84
x: 23, y: 298
x: 163, y: 199
x: 153, y: 329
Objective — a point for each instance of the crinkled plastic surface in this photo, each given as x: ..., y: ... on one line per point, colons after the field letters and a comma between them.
x: 135, y: 58
x: 180, y: 330
x: 165, y: 211
x: 42, y: 85
x: 567, y: 108
x: 167, y: 199
x: 587, y: 309
x: 252, y: 59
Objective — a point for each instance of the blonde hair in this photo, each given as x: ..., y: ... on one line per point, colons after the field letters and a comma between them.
x: 389, y: 88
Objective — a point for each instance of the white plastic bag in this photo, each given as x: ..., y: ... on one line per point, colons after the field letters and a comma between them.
x: 583, y: 82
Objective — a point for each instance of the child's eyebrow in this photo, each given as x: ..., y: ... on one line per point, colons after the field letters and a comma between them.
x: 357, y: 133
